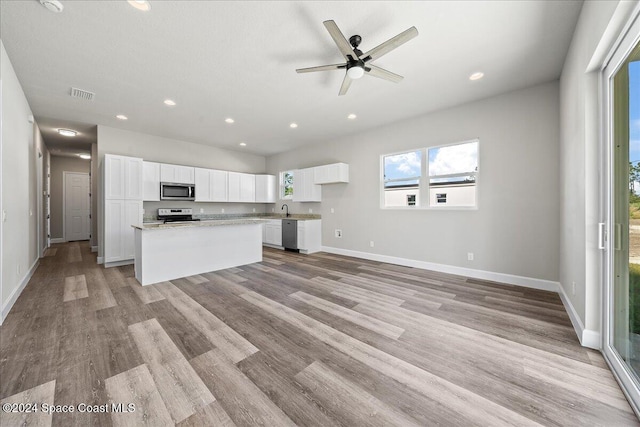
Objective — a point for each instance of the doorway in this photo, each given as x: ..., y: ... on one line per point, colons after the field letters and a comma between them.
x: 621, y: 308
x: 77, y: 206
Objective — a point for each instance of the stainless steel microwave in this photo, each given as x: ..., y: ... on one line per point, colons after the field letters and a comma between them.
x: 176, y: 191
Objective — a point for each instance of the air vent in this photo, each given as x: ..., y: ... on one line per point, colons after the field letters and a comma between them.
x: 82, y: 94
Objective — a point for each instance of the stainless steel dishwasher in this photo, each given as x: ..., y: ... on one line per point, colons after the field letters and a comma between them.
x: 290, y: 234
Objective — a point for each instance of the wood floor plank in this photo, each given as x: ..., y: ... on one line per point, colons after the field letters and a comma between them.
x: 371, y: 323
x: 458, y: 398
x: 75, y: 287
x: 180, y: 387
x: 347, y: 400
x: 74, y: 254
x: 50, y: 252
x: 245, y: 403
x: 211, y: 415
x: 197, y: 279
x: 136, y: 386
x: 217, y: 332
x: 38, y: 395
x: 147, y: 294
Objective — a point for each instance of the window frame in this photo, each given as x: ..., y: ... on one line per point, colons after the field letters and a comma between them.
x: 282, y: 185
x: 424, y: 181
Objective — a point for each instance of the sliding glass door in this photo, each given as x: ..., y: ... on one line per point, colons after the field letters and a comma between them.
x: 621, y: 326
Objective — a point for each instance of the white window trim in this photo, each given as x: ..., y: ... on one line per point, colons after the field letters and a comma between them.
x: 281, y: 190
x: 424, y: 181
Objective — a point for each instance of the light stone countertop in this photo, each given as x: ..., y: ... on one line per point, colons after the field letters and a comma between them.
x: 202, y: 223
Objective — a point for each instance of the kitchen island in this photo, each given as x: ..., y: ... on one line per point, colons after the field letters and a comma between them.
x: 174, y: 250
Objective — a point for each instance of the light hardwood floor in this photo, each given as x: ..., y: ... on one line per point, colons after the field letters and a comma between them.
x: 318, y: 340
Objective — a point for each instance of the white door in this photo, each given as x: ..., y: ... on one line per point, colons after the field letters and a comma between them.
x: 77, y: 206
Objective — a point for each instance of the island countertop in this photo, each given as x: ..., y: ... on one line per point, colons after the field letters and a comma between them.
x: 203, y: 223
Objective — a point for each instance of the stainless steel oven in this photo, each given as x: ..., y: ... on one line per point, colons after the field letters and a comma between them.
x: 176, y: 191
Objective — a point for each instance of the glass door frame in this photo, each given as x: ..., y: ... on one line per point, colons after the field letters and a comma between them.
x: 629, y: 38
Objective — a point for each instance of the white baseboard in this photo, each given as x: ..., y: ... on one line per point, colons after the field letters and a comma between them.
x: 100, y: 260
x: 588, y: 338
x: 118, y: 263
x: 529, y: 282
x: 94, y: 249
x: 58, y: 240
x: 17, y: 291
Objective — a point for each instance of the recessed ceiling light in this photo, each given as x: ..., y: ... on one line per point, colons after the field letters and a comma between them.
x: 52, y: 5
x: 293, y: 125
x: 84, y: 156
x: 243, y: 144
x: 142, y: 5
x: 169, y: 102
x: 229, y: 120
x: 122, y: 117
x: 67, y: 132
x: 351, y: 116
x: 476, y: 76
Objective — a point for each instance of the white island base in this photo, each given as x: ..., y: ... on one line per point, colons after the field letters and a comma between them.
x: 167, y: 252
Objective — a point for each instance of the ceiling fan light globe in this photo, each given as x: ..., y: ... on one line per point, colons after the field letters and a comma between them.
x: 355, y: 72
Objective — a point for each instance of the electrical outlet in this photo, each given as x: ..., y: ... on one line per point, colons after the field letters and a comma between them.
x: 30, y: 212
x: 310, y: 210
x: 332, y: 210
x: 573, y: 288
x: 18, y: 269
x: 470, y: 256
x: 254, y: 210
x: 338, y: 233
x: 371, y: 243
x: 273, y: 209
x: 201, y: 210
x: 4, y: 216
x: 222, y: 210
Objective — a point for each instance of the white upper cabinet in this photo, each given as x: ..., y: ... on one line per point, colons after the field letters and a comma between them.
x: 242, y: 187
x: 177, y: 174
x: 265, y: 189
x: 331, y: 174
x: 122, y: 178
x: 247, y: 187
x: 305, y: 188
x: 151, y: 181
x: 211, y: 185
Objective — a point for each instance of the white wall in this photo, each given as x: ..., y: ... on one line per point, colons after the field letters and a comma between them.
x: 19, y: 187
x: 580, y: 159
x: 515, y: 229
x: 165, y: 150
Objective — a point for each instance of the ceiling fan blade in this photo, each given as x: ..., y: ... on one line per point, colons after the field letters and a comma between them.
x: 341, y: 41
x: 372, y: 70
x: 345, y: 84
x: 389, y: 45
x: 321, y: 68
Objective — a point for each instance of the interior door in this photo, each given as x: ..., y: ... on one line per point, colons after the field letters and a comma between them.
x: 77, y: 206
x: 621, y: 302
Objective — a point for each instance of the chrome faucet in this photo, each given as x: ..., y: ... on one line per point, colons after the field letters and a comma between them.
x: 283, y: 206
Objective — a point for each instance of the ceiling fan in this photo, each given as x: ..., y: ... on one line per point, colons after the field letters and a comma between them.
x: 358, y: 64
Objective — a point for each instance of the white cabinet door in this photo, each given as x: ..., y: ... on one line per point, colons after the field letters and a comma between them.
x: 177, y: 174
x: 265, y: 189
x: 114, y: 177
x: 247, y: 188
x: 185, y: 175
x: 113, y: 219
x: 151, y: 181
x: 304, y: 187
x: 233, y: 186
x: 203, y: 185
x: 133, y: 187
x: 310, y: 236
x: 331, y: 174
x: 218, y: 184
x: 132, y: 216
x: 273, y: 233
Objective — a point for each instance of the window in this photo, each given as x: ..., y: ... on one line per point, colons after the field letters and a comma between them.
x: 453, y: 168
x: 436, y: 177
x: 402, y: 173
x: 286, y: 185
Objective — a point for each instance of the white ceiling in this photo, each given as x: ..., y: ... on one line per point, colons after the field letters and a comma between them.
x: 238, y: 59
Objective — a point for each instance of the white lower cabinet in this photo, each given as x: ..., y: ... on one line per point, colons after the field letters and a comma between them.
x: 310, y: 236
x: 119, y: 216
x: 272, y: 232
